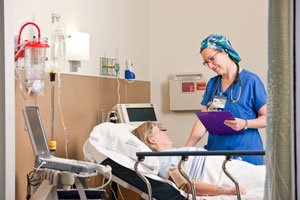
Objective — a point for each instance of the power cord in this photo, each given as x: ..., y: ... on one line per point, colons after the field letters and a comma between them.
x: 113, y: 192
x: 31, y: 181
x: 38, y: 168
x: 105, y: 170
x: 120, y: 191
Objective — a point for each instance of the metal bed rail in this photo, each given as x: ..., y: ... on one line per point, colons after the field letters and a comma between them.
x: 184, y: 157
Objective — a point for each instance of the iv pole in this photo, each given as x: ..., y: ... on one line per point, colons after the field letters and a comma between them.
x: 52, y: 142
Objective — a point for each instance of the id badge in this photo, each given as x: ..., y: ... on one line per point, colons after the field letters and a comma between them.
x: 219, y: 102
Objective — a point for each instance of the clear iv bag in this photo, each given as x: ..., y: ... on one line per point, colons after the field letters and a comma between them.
x: 58, y: 48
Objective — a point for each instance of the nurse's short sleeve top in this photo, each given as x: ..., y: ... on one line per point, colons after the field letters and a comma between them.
x: 253, y: 95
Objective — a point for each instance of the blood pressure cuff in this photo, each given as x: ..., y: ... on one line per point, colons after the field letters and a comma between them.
x: 175, y: 176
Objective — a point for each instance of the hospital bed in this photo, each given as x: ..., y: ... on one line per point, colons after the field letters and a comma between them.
x: 114, y: 145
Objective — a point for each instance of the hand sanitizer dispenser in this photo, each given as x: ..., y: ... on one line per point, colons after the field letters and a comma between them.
x: 128, y: 72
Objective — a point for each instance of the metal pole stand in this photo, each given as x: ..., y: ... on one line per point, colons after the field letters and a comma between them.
x: 184, y: 158
x: 141, y: 159
x: 238, y: 193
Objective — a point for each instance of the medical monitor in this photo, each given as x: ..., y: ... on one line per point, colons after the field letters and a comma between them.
x: 136, y: 114
x: 36, y: 131
x: 40, y: 146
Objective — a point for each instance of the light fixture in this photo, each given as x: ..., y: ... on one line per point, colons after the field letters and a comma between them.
x: 77, y: 49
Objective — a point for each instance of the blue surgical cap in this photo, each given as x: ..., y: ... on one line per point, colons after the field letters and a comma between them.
x: 221, y: 43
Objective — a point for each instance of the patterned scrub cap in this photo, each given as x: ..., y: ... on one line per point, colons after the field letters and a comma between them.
x: 221, y: 43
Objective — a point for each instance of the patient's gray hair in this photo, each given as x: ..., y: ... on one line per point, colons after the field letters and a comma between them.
x: 144, y: 132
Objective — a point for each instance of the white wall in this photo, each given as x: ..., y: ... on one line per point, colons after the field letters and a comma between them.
x: 177, y: 28
x: 111, y: 24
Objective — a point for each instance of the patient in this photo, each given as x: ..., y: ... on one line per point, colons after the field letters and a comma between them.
x: 200, y: 168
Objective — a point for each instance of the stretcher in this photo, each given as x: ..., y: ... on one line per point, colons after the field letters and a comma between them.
x: 114, y: 145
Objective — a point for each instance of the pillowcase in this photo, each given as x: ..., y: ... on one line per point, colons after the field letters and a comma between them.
x: 118, y: 143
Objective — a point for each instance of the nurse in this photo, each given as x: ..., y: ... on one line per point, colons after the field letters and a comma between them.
x: 237, y: 90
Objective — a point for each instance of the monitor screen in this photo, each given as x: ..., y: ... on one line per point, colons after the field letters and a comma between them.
x: 136, y: 113
x: 36, y: 130
x: 141, y: 114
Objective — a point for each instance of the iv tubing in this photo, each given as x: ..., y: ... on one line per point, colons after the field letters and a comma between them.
x: 20, y: 46
x: 118, y: 90
x: 61, y: 115
x: 21, y: 81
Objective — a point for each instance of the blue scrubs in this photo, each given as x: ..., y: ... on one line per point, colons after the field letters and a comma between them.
x: 253, y: 97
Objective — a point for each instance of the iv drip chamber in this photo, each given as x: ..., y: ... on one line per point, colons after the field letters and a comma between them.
x: 58, y: 48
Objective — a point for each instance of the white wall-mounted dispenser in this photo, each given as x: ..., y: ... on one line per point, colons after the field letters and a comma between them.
x: 186, y: 91
x: 77, y: 49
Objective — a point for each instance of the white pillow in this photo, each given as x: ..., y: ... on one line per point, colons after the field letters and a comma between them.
x: 118, y: 143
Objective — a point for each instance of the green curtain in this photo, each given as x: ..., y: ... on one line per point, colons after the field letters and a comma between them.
x: 278, y: 141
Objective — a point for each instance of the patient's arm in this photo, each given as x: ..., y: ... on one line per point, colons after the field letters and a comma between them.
x: 203, y: 189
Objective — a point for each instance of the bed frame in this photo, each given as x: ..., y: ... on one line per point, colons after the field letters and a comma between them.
x: 184, y: 156
x: 130, y: 180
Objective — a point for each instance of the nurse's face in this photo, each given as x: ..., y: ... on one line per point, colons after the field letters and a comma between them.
x: 215, y: 60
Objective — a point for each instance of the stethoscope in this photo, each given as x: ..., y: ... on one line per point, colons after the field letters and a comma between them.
x: 237, y: 79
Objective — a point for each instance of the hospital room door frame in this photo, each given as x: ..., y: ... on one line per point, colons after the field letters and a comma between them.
x: 296, y: 75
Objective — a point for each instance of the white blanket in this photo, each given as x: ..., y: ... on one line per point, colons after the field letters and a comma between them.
x: 248, y: 196
x: 251, y: 177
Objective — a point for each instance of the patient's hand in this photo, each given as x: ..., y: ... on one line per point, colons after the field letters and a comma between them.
x: 160, y: 175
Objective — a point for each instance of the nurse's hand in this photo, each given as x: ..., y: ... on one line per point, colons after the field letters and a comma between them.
x: 236, y: 124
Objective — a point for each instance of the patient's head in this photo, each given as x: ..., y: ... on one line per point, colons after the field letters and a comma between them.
x: 153, y: 136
